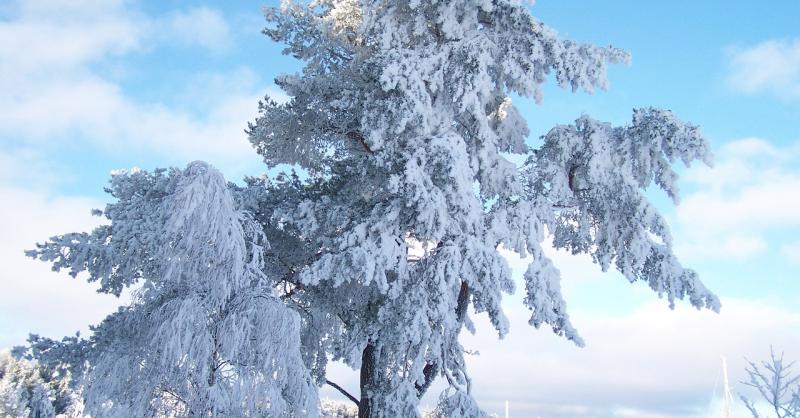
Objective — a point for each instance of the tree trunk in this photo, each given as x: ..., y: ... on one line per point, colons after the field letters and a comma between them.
x: 368, y: 363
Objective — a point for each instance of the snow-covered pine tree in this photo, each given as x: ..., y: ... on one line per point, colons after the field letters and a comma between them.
x: 402, y: 123
x: 403, y: 120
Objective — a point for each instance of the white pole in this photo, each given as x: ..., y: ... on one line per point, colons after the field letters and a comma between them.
x: 727, y: 396
x: 506, y: 409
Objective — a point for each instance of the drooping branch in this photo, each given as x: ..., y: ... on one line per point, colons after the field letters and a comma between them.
x: 431, y: 369
x: 342, y: 391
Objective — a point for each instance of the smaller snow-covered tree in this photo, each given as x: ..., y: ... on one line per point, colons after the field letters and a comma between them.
x: 332, y: 409
x: 205, y: 335
x: 777, y: 385
x: 31, y: 391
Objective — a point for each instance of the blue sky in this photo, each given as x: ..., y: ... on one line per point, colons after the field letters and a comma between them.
x: 92, y: 86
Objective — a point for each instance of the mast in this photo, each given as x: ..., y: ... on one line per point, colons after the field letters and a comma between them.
x: 727, y: 397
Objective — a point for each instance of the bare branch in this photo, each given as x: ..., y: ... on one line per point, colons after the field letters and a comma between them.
x: 776, y: 384
x: 342, y: 391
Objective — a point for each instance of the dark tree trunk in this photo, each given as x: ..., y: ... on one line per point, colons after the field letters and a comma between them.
x: 368, y: 365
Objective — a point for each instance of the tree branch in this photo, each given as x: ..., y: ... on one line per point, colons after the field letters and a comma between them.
x: 343, y: 392
x: 463, y: 302
x: 431, y: 369
x: 358, y: 137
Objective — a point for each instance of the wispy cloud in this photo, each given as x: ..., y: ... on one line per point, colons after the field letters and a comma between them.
x: 750, y: 193
x: 792, y: 252
x: 771, y: 67
x: 200, y: 26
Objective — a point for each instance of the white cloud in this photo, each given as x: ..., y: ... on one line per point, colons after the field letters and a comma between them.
x: 643, y: 361
x: 200, y: 26
x: 742, y: 247
x: 56, y: 36
x: 71, y: 33
x: 752, y: 147
x: 654, y: 362
x: 763, y: 205
x: 32, y: 297
x: 771, y: 67
x: 55, y: 95
x: 792, y: 252
x: 750, y: 193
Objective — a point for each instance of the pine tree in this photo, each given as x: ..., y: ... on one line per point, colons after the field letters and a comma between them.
x: 402, y: 126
